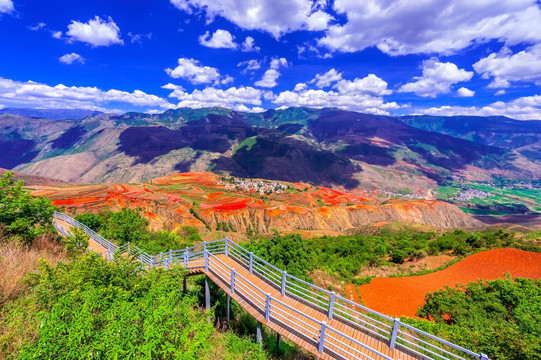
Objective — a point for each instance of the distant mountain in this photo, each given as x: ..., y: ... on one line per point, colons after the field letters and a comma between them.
x: 52, y: 114
x: 328, y: 147
x: 522, y: 136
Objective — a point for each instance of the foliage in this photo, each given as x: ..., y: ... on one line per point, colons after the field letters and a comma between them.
x: 344, y: 256
x: 77, y: 241
x: 22, y: 215
x: 93, y: 221
x: 129, y: 226
x: 285, y: 252
x: 126, y: 226
x: 91, y: 308
x: 501, y: 318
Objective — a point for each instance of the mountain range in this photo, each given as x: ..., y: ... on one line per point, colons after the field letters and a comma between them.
x: 328, y: 147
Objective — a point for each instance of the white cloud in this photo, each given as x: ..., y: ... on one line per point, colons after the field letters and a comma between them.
x: 35, y: 94
x: 220, y: 39
x: 270, y: 76
x: 70, y: 58
x: 192, y: 71
x: 363, y: 95
x: 6, y: 6
x: 138, y: 38
x: 96, y: 32
x: 249, y: 45
x: 431, y: 26
x: 465, y: 92
x: 56, y: 34
x: 500, y: 92
x: 505, y: 67
x: 250, y: 65
x: 524, y: 108
x: 233, y: 98
x: 39, y: 26
x: 274, y: 16
x: 437, y: 79
x: 300, y: 87
x: 324, y: 80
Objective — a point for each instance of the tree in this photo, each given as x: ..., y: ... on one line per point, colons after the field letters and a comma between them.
x: 21, y: 214
x: 77, y: 241
x: 126, y: 226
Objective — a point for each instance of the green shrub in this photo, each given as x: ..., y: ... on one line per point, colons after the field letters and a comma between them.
x: 22, y: 215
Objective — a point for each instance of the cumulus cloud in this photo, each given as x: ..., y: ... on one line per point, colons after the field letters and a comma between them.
x: 274, y: 16
x: 500, y: 92
x: 465, y: 92
x: 249, y: 45
x: 437, y: 79
x: 431, y: 26
x: 6, y: 6
x: 505, y: 67
x: 35, y: 94
x: 270, y: 76
x: 324, y: 80
x: 220, y: 39
x: 196, y: 73
x: 37, y: 27
x: 71, y: 58
x: 233, y: 98
x: 250, y: 65
x: 523, y: 108
x: 361, y: 94
x: 96, y: 32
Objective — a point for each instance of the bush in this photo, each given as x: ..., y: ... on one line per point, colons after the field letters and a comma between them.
x: 398, y: 256
x: 501, y: 318
x: 22, y: 215
x: 93, y: 221
x: 77, y: 241
x: 91, y: 308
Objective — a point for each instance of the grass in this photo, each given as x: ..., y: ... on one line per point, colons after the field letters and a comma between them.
x: 18, y: 260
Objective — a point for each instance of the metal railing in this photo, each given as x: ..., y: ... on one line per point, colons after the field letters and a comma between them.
x: 390, y: 331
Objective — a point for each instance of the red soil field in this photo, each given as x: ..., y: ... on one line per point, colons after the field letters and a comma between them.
x: 402, y: 296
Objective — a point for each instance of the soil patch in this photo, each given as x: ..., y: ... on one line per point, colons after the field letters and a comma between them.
x: 402, y: 296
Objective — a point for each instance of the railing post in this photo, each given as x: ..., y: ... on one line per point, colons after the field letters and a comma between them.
x: 109, y: 253
x: 322, y: 337
x: 251, y: 262
x: 331, y: 305
x: 483, y: 357
x: 232, y: 280
x: 206, y: 260
x: 267, y: 308
x: 141, y: 261
x: 186, y: 259
x: 166, y: 264
x: 226, y: 247
x: 284, y: 274
x: 395, y: 332
x: 151, y: 261
x: 171, y: 256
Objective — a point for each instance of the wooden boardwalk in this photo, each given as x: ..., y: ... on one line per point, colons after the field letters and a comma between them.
x: 299, y: 319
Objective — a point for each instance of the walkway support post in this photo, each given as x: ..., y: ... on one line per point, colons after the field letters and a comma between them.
x: 284, y: 274
x: 228, y: 308
x: 251, y: 262
x: 184, y: 285
x: 331, y: 305
x: 232, y: 280
x: 322, y: 337
x: 207, y: 296
x: 394, y: 333
x: 278, y: 339
x: 206, y: 256
x: 259, y: 336
x: 267, y: 307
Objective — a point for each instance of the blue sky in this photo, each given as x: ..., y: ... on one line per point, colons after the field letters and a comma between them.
x: 384, y: 57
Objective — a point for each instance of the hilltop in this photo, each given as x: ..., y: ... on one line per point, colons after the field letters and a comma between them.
x: 215, y: 204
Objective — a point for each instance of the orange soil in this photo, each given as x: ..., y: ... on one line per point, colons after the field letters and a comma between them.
x: 402, y: 296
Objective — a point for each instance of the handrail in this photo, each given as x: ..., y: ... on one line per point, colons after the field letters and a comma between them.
x: 335, y: 306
